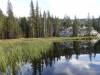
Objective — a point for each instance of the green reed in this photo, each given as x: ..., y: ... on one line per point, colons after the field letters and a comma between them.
x: 15, y: 51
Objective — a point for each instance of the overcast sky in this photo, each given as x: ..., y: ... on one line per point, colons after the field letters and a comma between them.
x: 60, y: 8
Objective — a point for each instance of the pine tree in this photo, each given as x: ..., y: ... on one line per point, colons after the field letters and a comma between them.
x: 49, y: 25
x: 66, y: 22
x: 98, y: 25
x: 40, y: 25
x: 94, y: 23
x: 56, y: 26
x: 24, y: 25
x: 89, y: 25
x: 36, y: 27
x: 2, y: 18
x: 11, y: 24
x: 75, y: 26
x: 44, y: 25
x: 32, y: 21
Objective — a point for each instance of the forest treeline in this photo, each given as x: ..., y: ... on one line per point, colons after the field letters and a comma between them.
x: 40, y: 24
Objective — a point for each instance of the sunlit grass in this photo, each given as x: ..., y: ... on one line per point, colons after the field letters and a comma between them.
x: 15, y: 51
x: 21, y: 50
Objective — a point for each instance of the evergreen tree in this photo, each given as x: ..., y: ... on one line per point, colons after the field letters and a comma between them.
x: 98, y: 20
x: 2, y: 18
x: 36, y: 27
x: 24, y: 25
x: 94, y: 23
x: 44, y: 25
x: 49, y: 25
x: 11, y: 24
x: 75, y: 27
x: 98, y: 25
x: 32, y: 21
x: 89, y: 25
x: 40, y: 25
x: 56, y: 26
x: 66, y: 22
x: 52, y: 26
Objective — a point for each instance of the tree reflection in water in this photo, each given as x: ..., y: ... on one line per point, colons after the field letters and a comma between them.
x: 60, y: 49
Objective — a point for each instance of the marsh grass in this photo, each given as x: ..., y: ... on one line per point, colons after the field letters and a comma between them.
x: 13, y: 52
x: 16, y: 51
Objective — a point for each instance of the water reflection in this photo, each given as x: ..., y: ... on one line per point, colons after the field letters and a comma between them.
x: 71, y: 58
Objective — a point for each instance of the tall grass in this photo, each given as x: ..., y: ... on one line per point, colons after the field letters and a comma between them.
x: 16, y: 51
x: 13, y: 52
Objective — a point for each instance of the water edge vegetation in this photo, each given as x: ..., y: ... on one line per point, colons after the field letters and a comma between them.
x: 15, y: 51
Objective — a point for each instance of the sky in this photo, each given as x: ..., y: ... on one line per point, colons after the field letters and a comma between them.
x: 59, y: 8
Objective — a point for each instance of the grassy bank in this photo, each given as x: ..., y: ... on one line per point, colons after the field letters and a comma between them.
x: 20, y: 50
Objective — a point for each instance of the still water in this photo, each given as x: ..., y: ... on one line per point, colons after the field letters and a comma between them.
x: 67, y: 58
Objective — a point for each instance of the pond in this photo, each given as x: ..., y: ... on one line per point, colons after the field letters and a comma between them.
x: 66, y: 58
